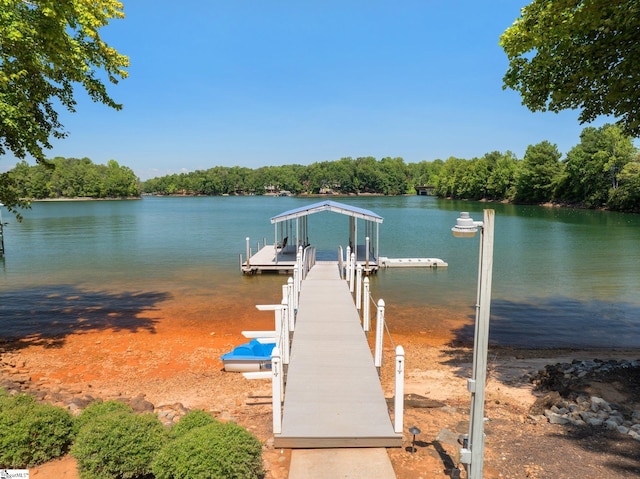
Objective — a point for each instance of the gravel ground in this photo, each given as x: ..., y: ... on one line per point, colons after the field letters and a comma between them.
x: 177, y: 362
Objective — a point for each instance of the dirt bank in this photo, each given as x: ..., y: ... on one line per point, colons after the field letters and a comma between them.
x: 177, y: 362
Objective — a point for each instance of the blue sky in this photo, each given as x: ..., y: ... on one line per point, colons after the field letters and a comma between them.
x: 257, y: 82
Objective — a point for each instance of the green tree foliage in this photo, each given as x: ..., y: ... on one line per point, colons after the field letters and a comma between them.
x: 590, y: 175
x: 626, y: 197
x: 73, y: 178
x: 46, y: 48
x: 592, y: 168
x: 501, y: 179
x: 577, y: 54
x: 423, y: 173
x: 538, y: 173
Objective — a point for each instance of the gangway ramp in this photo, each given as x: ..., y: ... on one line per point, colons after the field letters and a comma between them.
x: 333, y: 395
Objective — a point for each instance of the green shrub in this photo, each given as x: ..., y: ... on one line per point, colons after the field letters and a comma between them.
x: 192, y: 420
x: 118, y: 444
x: 99, y: 409
x: 32, y: 433
x: 215, y: 451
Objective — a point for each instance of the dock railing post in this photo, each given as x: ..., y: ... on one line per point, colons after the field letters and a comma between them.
x: 398, y: 409
x: 379, y: 333
x: 276, y: 390
x: 348, y: 267
x: 296, y: 286
x: 366, y: 243
x: 248, y: 251
x: 298, y: 279
x: 292, y: 302
x: 352, y: 271
x: 284, y: 325
x: 366, y: 315
x: 359, y: 287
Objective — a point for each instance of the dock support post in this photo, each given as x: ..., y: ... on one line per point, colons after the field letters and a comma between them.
x: 359, y: 287
x: 379, y: 332
x: 366, y: 315
x: 248, y: 251
x: 398, y: 409
x: 276, y: 390
x: 348, y: 269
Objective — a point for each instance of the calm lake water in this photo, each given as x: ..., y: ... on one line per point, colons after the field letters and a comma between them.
x: 562, y: 277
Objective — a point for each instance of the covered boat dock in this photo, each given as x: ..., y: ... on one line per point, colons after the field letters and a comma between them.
x: 291, y: 232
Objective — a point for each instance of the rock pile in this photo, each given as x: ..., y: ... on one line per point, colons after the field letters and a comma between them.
x: 15, y: 379
x: 569, y: 401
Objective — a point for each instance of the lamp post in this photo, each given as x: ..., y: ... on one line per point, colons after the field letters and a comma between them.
x: 472, y: 454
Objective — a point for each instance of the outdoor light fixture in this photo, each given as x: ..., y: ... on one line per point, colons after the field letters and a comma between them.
x: 465, y: 226
x: 415, y: 431
x: 472, y: 453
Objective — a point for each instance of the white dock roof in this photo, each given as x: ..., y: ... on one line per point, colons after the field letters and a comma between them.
x: 328, y: 205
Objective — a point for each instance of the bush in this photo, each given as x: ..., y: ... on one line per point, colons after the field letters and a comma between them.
x: 216, y: 451
x: 97, y: 409
x: 192, y: 420
x: 117, y: 444
x: 32, y: 433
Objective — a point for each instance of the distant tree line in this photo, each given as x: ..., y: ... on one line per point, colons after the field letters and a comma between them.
x: 389, y: 176
x: 603, y: 170
x: 73, y: 178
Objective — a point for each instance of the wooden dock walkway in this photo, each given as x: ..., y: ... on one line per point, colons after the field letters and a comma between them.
x: 333, y: 394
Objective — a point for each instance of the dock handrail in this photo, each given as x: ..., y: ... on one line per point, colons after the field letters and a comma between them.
x: 308, y: 260
x: 364, y: 295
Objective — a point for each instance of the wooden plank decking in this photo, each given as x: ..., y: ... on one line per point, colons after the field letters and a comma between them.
x: 333, y: 394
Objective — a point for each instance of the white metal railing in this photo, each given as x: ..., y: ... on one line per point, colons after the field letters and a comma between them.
x: 308, y: 260
x: 364, y: 298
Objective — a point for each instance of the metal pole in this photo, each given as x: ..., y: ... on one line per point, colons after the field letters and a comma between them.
x: 473, y: 455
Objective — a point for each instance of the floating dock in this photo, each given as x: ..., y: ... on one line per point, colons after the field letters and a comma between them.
x: 412, y: 263
x: 270, y: 259
x: 291, y: 231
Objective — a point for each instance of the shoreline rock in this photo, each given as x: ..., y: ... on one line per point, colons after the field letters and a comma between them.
x: 569, y: 402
